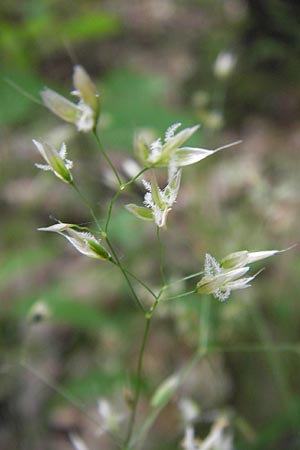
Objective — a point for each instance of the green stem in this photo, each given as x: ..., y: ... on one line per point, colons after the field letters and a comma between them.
x: 148, y: 316
x: 106, y: 157
x: 274, y: 360
x: 115, y: 197
x: 69, y: 398
x: 122, y: 187
x: 178, y: 296
x: 118, y: 262
x: 141, y: 283
x: 193, y: 275
x: 249, y: 348
x: 161, y: 256
x: 132, y: 180
x: 87, y: 204
x: 23, y: 91
x: 138, y: 382
x: 148, y: 423
x: 204, y: 324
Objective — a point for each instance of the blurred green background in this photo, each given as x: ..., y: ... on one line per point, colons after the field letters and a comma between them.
x: 153, y: 62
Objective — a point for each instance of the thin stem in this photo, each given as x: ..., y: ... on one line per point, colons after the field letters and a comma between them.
x: 249, y: 348
x: 87, y: 203
x: 132, y: 180
x: 69, y: 398
x: 138, y: 381
x: 178, y: 296
x: 148, y: 316
x: 142, y: 432
x: 161, y: 257
x: 122, y: 187
x: 118, y: 262
x: 197, y: 274
x: 106, y: 157
x: 115, y: 197
x: 141, y: 283
x: 204, y: 324
x: 274, y: 361
x: 22, y: 91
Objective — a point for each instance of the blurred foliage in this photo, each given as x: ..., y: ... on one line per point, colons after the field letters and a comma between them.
x: 153, y: 64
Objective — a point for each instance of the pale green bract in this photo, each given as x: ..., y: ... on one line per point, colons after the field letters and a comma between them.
x: 220, y: 282
x: 242, y: 258
x: 56, y: 161
x: 83, y: 114
x: 158, y: 202
x: 85, y: 243
x: 169, y: 151
x: 220, y: 279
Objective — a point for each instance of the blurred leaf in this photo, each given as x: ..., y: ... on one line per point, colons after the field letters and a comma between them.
x: 124, y: 221
x: 63, y: 309
x: 14, y: 106
x: 81, y: 315
x: 94, y: 384
x: 165, y: 391
x: 134, y: 100
x: 91, y: 25
x: 26, y: 260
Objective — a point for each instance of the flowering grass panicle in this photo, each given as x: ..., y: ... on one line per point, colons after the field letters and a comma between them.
x: 219, y: 279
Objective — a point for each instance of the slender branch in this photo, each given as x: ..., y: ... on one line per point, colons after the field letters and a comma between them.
x: 148, y: 423
x: 193, y: 275
x: 137, y: 300
x: 23, y: 91
x: 111, y: 204
x: 106, y: 157
x: 87, y: 203
x: 69, y: 398
x: 178, y: 296
x: 141, y: 283
x: 249, y: 348
x: 204, y: 324
x: 132, y: 180
x: 117, y: 260
x: 274, y: 361
x: 161, y: 257
x: 138, y: 382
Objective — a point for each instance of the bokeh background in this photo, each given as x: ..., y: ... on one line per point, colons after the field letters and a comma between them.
x: 154, y: 64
